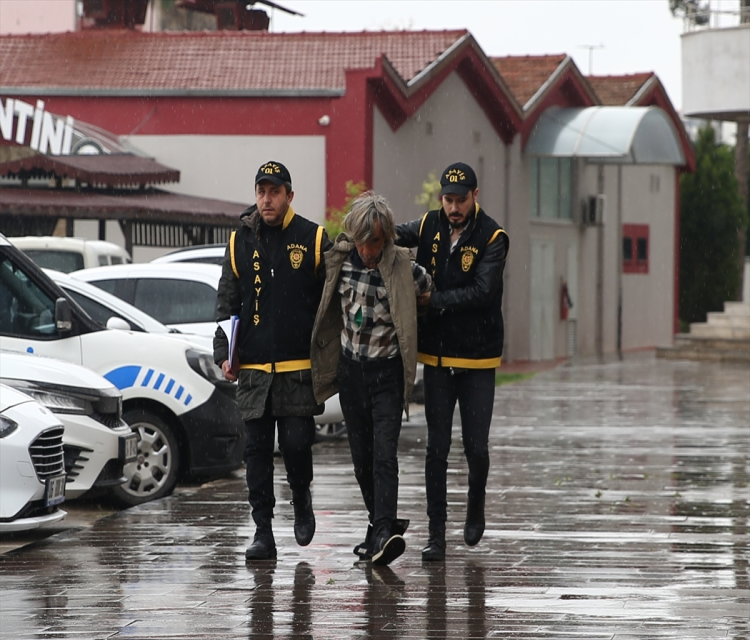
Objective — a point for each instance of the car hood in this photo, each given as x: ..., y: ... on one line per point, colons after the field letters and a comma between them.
x: 25, y: 366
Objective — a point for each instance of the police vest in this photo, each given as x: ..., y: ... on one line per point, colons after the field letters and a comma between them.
x: 464, y: 338
x: 279, y: 298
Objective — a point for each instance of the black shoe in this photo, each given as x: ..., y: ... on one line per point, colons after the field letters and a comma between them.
x: 364, y: 549
x: 304, y: 518
x: 387, y: 548
x: 263, y: 546
x: 435, y: 549
x: 474, y: 527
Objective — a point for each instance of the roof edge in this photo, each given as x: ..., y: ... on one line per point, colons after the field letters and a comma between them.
x: 172, y: 93
x: 547, y: 83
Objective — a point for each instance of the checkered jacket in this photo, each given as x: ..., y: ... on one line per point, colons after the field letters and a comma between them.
x: 368, y: 332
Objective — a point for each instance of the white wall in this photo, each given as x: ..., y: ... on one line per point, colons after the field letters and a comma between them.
x: 449, y: 127
x: 716, y: 71
x: 648, y: 299
x: 37, y: 16
x: 224, y: 167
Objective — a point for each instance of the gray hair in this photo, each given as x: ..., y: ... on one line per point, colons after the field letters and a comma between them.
x: 367, y: 211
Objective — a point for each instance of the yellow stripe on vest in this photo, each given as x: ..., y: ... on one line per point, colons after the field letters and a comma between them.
x: 318, y: 243
x: 461, y: 363
x: 421, y: 224
x: 231, y: 253
x: 280, y: 367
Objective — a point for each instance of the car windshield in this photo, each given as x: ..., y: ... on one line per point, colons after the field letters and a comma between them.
x: 65, y: 261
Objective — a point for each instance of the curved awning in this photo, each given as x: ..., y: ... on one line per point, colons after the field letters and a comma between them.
x: 627, y: 135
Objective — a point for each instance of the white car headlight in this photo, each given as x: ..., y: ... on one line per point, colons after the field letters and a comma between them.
x: 58, y: 403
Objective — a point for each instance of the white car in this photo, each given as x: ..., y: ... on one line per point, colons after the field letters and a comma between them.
x: 174, y: 397
x: 32, y: 472
x: 181, y: 296
x: 202, y: 253
x: 186, y: 292
x: 97, y: 442
x: 71, y: 254
x: 115, y: 313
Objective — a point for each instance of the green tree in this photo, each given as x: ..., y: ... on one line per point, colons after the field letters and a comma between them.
x: 429, y: 199
x: 335, y: 219
x: 711, y: 214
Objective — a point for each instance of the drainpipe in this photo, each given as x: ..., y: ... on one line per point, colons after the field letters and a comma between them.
x: 618, y: 253
x: 599, y: 320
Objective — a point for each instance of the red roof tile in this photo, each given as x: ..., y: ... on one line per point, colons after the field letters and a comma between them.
x: 210, y: 61
x: 616, y: 91
x: 526, y: 74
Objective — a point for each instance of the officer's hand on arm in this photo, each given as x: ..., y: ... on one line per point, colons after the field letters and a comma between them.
x: 407, y: 233
x: 228, y: 371
x: 424, y: 299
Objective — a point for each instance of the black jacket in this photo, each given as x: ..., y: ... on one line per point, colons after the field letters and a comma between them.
x: 276, y: 300
x: 463, y: 326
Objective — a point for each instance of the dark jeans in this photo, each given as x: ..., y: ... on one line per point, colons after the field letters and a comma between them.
x: 372, y: 400
x: 475, y: 391
x: 296, y: 437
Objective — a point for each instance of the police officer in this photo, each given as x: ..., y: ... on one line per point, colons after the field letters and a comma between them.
x: 460, y: 341
x: 271, y: 278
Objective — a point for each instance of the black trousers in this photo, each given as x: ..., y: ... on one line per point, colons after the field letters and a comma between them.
x: 372, y: 400
x: 296, y: 437
x: 474, y: 389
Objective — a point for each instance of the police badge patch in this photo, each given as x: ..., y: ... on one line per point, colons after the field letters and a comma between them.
x: 295, y: 257
x: 467, y: 259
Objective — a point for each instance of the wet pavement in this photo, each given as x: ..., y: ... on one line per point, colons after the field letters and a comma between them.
x: 618, y: 507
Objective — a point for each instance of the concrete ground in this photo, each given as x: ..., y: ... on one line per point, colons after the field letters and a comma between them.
x: 618, y: 507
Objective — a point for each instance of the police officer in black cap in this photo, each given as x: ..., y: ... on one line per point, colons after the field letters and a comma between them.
x: 460, y: 341
x: 272, y: 279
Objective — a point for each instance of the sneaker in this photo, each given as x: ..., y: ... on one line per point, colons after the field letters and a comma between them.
x: 388, y: 548
x: 364, y: 549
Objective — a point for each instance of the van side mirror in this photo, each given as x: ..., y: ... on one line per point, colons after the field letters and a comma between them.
x: 118, y: 323
x: 63, y: 319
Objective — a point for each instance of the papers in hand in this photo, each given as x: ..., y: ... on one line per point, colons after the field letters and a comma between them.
x: 231, y: 328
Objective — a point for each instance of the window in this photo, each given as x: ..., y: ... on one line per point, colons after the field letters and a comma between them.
x: 176, y: 301
x: 96, y: 310
x: 551, y: 188
x: 123, y: 288
x: 25, y: 310
x: 65, y: 261
x: 635, y: 248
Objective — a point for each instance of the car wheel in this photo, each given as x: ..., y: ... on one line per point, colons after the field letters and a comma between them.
x: 154, y: 473
x: 330, y: 431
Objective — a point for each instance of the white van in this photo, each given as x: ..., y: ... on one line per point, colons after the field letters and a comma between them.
x: 174, y: 397
x: 71, y: 254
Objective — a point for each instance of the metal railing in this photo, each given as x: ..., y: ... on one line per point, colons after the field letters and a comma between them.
x: 712, y: 14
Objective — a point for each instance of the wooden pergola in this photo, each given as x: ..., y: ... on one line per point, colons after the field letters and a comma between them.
x: 110, y: 187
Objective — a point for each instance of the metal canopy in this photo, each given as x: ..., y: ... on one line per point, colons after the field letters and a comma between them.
x: 617, y: 135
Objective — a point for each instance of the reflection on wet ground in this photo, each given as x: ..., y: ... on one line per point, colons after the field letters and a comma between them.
x: 618, y: 507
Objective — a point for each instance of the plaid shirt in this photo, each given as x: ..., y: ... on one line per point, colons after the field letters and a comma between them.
x: 369, y: 332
